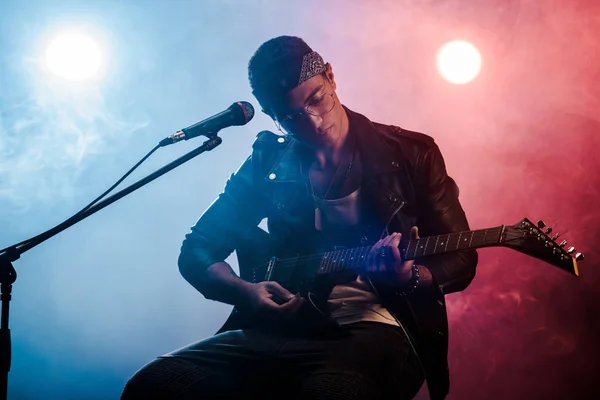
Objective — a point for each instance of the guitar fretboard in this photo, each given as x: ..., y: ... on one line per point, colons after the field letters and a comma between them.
x: 354, y: 258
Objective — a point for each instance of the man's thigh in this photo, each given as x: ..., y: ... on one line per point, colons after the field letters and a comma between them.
x: 374, y: 361
x: 226, y: 365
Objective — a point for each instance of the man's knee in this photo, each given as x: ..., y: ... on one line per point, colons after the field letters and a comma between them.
x: 163, y: 378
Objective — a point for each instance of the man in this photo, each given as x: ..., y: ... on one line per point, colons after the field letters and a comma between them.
x: 332, y: 179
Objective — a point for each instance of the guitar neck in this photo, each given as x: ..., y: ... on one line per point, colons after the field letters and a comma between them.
x: 354, y: 258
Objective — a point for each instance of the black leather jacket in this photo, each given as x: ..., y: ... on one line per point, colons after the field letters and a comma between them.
x: 404, y: 184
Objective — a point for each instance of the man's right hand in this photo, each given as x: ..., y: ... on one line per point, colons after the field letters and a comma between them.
x: 271, y: 299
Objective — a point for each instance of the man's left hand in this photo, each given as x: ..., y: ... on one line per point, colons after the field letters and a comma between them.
x: 384, y: 262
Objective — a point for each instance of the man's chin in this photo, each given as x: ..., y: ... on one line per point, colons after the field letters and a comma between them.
x: 325, y: 132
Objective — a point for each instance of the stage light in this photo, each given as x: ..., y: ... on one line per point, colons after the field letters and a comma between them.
x: 74, y: 57
x: 458, y: 62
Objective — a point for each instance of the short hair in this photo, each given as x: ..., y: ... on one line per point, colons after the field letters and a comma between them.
x: 275, y: 67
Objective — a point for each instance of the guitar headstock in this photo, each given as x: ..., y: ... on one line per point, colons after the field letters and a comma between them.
x: 535, y: 240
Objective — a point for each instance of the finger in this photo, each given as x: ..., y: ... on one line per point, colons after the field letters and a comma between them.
x: 392, y: 241
x: 382, y: 257
x: 290, y: 306
x: 414, y: 232
x: 386, y: 256
x: 376, y: 255
x: 387, y: 240
x: 279, y: 291
x: 381, y: 263
x: 270, y: 305
x: 395, y: 248
x: 299, y: 303
x: 372, y: 260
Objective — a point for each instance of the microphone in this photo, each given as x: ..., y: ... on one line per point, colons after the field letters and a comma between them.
x: 239, y: 113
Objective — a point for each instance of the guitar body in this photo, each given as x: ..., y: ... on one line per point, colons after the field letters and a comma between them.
x: 264, y: 263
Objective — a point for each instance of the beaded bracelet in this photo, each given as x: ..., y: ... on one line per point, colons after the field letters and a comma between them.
x: 414, y: 280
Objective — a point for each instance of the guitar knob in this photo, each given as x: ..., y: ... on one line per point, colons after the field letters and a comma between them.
x: 541, y: 224
x: 579, y: 256
x: 571, y: 250
x: 563, y: 243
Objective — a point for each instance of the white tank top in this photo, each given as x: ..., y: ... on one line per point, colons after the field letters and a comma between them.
x: 354, y: 301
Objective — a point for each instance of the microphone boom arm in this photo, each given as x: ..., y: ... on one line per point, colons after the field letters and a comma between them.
x: 8, y: 274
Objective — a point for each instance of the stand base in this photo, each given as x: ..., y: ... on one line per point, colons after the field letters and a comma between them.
x: 8, y: 276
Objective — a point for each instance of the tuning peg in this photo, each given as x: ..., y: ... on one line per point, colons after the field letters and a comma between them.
x: 571, y: 250
x: 563, y: 243
x: 548, y: 231
x: 556, y: 235
x: 541, y: 224
x: 579, y: 256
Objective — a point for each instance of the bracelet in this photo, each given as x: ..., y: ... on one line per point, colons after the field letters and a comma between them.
x: 414, y: 280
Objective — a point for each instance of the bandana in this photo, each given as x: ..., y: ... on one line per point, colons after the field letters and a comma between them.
x: 286, y: 75
x: 312, y: 64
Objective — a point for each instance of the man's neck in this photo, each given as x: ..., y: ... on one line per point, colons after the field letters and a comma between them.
x: 332, y: 154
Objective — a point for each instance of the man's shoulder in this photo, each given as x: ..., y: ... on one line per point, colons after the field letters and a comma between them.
x: 406, y: 138
x: 269, y: 146
x: 268, y: 149
x: 392, y: 133
x: 268, y: 138
x: 414, y: 136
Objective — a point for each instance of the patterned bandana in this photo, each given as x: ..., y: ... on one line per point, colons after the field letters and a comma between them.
x: 284, y: 75
x: 312, y: 64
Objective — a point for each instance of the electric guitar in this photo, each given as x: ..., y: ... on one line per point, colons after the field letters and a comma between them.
x: 303, y: 273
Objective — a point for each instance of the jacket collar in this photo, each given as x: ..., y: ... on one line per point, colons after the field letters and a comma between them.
x: 377, y: 153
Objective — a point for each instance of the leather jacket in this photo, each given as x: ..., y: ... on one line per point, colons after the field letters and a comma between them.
x: 404, y: 184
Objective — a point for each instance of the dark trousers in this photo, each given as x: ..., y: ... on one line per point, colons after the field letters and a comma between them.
x: 372, y: 361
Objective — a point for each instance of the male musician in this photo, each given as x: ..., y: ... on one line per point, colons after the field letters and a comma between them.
x: 331, y: 179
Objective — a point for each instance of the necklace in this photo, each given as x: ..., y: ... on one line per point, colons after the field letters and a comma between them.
x: 319, y: 199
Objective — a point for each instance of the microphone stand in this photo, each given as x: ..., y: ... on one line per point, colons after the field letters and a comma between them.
x: 8, y: 275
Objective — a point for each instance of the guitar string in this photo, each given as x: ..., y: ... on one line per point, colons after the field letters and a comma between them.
x: 293, y: 261
x: 290, y: 263
x: 511, y: 234
x: 314, y: 257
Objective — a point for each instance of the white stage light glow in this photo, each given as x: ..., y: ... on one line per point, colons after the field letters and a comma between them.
x: 459, y: 62
x: 74, y: 57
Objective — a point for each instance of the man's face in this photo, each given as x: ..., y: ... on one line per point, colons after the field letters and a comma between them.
x: 312, y: 112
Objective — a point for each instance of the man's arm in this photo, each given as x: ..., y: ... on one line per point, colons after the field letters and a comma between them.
x: 442, y: 213
x: 234, y: 214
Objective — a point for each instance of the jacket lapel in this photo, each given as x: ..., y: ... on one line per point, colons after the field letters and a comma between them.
x: 377, y: 154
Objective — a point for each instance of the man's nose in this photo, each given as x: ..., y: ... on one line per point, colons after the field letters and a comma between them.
x: 315, y: 121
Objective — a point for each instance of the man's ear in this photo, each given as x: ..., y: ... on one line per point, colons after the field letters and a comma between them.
x: 330, y: 76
